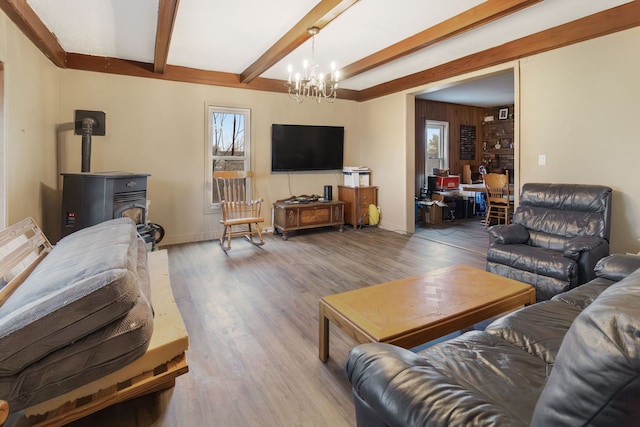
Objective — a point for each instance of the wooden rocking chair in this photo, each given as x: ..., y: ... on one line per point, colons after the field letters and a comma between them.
x: 237, y: 211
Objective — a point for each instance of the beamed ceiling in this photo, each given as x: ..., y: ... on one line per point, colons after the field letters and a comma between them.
x: 380, y: 47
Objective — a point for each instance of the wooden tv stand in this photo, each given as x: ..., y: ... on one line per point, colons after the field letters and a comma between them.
x: 289, y: 215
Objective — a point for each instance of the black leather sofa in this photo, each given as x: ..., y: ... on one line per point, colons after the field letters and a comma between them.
x: 573, y: 360
x: 558, y: 233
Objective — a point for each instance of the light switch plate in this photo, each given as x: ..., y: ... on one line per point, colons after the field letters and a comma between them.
x: 542, y: 160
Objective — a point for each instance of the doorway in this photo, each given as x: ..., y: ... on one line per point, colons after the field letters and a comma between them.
x: 466, y: 104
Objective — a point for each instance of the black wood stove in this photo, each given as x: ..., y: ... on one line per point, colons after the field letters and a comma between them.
x: 92, y: 198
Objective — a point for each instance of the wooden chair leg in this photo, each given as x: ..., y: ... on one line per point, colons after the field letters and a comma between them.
x: 257, y: 231
x: 487, y: 218
x: 229, y: 234
x: 259, y: 234
x: 226, y: 232
x: 249, y: 234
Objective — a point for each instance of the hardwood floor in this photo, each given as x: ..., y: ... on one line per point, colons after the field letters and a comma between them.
x: 252, y: 317
x: 469, y: 233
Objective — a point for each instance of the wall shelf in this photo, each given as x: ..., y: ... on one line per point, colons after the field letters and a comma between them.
x: 498, y: 132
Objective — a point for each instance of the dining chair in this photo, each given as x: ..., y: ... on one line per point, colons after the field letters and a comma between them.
x: 499, y: 201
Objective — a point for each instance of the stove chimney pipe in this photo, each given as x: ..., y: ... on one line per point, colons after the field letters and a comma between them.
x: 88, y: 124
x: 87, y: 130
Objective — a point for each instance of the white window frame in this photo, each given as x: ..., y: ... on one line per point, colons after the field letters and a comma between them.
x: 443, y: 128
x: 209, y: 184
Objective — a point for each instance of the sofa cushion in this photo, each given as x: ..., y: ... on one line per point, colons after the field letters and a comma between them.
x: 585, y: 294
x: 475, y: 379
x: 87, y: 281
x: 534, y: 260
x: 547, y: 241
x: 596, y: 378
x: 566, y: 210
x: 87, y: 359
x: 537, y: 329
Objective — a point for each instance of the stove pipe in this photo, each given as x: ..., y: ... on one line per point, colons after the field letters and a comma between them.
x: 87, y: 130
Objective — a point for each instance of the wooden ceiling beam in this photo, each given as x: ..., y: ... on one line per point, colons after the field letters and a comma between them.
x: 101, y: 64
x: 600, y: 24
x: 321, y: 15
x: 465, y: 21
x: 31, y: 26
x: 167, y: 12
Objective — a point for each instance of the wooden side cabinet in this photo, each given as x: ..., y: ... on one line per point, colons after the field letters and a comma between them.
x: 290, y: 216
x: 356, y: 203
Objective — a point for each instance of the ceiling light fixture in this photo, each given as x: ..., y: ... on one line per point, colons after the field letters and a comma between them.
x: 310, y: 84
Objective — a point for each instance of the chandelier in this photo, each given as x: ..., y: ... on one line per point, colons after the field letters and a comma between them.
x: 309, y: 84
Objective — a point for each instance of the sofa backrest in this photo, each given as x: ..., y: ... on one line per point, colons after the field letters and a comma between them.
x: 596, y: 376
x: 555, y: 212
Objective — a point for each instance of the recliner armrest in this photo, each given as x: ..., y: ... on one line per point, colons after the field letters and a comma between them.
x: 577, y: 245
x: 508, y: 234
x: 617, y: 266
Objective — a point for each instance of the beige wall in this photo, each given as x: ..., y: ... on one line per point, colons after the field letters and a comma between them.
x: 386, y: 144
x: 579, y: 107
x: 30, y: 108
x: 158, y: 127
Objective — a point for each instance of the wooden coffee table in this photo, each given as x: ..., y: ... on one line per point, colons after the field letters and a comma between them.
x: 412, y: 311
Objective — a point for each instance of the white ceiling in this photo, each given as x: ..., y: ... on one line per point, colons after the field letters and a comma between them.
x: 489, y: 91
x: 228, y: 36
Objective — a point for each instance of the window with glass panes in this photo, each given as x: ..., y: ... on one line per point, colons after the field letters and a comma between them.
x: 228, y: 145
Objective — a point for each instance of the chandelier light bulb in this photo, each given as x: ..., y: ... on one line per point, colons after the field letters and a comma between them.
x: 311, y: 85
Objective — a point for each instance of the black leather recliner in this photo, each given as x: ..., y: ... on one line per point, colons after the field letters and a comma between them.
x: 558, y: 234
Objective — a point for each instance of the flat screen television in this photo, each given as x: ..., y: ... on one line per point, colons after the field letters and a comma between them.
x: 297, y: 148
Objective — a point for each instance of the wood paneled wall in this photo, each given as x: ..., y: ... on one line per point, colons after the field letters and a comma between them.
x: 456, y: 115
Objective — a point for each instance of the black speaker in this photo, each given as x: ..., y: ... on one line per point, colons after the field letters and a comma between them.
x: 328, y: 190
x: 431, y: 184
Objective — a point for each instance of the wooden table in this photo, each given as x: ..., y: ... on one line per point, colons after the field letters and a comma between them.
x: 412, y: 311
x: 478, y: 188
